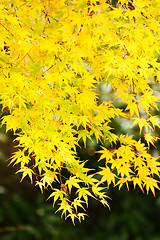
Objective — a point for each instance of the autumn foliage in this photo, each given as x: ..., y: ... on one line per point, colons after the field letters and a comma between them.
x: 53, y: 56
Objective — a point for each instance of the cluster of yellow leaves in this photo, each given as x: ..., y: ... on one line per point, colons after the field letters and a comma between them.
x: 53, y: 54
x: 130, y: 163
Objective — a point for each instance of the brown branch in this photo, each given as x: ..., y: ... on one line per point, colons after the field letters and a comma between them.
x: 55, y: 19
x: 21, y: 5
x: 60, y: 177
x: 47, y: 16
x: 7, y: 29
x: 44, y: 72
x: 29, y: 50
x: 3, y: 112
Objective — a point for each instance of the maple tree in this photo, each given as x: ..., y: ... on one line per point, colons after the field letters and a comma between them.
x: 54, y: 54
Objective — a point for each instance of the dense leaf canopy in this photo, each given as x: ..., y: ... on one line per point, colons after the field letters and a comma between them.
x: 53, y: 56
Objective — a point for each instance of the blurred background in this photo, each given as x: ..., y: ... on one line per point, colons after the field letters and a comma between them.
x: 26, y: 215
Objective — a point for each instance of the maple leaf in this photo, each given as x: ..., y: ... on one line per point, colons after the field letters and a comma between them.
x: 26, y: 171
x: 151, y: 184
x: 73, y: 182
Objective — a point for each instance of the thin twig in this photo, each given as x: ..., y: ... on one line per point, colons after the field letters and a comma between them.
x: 3, y: 112
x: 44, y: 72
x: 47, y: 16
x: 7, y: 29
x: 29, y: 50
